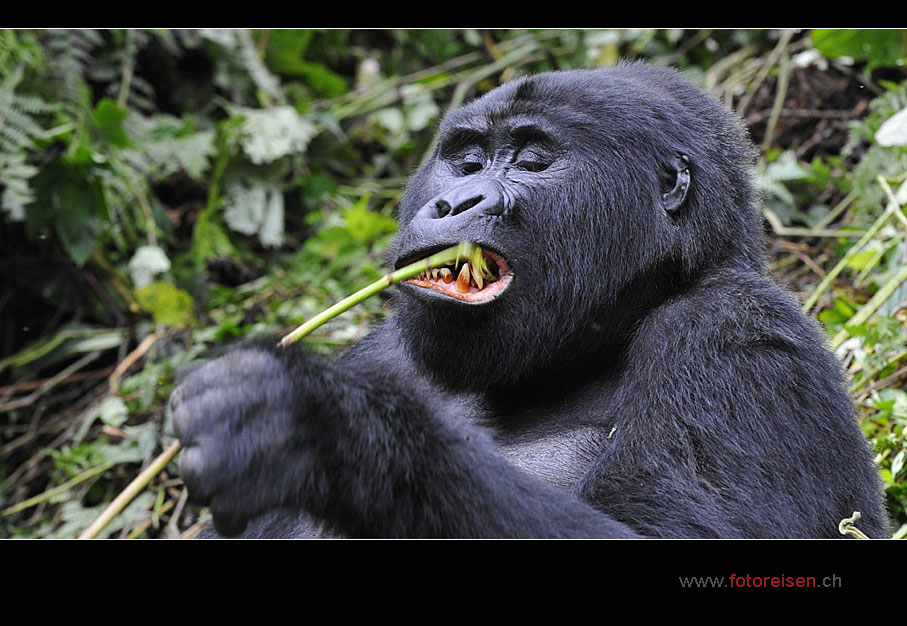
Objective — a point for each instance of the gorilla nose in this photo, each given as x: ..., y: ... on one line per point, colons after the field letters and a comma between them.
x: 476, y: 197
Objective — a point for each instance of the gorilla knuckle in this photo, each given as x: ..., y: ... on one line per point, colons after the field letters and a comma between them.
x: 195, y: 466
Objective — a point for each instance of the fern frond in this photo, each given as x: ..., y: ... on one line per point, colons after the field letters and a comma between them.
x: 14, y: 177
x: 18, y: 128
x: 70, y: 53
x: 247, y: 61
x: 17, y: 49
x: 18, y: 131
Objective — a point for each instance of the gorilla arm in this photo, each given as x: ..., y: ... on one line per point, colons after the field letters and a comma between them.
x: 728, y: 425
x: 359, y: 447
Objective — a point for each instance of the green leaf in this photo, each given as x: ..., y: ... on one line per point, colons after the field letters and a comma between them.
x: 72, y: 199
x: 883, y: 47
x: 209, y: 239
x: 169, y: 305
x: 365, y: 226
x: 897, y: 463
x: 269, y: 134
x: 286, y: 48
x: 285, y: 55
x: 839, y: 313
x: 893, y: 132
x: 113, y: 411
x: 108, y: 119
x: 861, y: 259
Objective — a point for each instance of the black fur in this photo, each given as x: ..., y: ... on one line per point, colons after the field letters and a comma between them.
x: 641, y: 376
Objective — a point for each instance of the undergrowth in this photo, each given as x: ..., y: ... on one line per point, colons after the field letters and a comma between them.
x: 164, y: 193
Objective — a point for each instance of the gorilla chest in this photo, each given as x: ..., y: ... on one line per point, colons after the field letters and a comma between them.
x: 559, y: 458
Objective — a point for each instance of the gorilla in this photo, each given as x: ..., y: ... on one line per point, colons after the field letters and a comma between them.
x: 616, y: 363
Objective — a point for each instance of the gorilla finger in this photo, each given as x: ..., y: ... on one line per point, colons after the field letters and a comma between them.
x: 211, y: 409
x: 228, y: 524
x: 185, y: 371
x: 196, y: 470
x: 241, y: 366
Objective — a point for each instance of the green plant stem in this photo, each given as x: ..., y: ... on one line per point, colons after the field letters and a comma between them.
x: 128, y: 67
x: 836, y: 211
x: 871, y: 373
x: 448, y: 255
x: 829, y: 278
x: 792, y: 231
x: 884, y: 292
x: 138, y: 530
x: 876, y: 258
x: 893, y: 202
x: 780, y: 95
x: 131, y: 491
x: 50, y: 493
x: 872, y: 306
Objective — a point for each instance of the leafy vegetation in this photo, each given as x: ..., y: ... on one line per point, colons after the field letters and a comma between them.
x: 164, y: 192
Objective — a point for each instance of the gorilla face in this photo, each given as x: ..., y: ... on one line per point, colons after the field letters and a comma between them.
x: 585, y: 191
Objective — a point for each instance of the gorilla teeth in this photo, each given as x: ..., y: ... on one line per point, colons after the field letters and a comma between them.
x: 480, y: 278
x: 466, y: 277
x: 477, y: 276
x: 463, y: 279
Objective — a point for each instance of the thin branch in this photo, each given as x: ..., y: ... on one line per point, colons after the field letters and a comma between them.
x: 881, y: 384
x: 132, y: 357
x: 767, y: 66
x: 868, y: 309
x: 28, y: 385
x: 780, y: 95
x: 867, y: 236
x: 51, y: 383
x: 131, y: 491
x: 50, y: 493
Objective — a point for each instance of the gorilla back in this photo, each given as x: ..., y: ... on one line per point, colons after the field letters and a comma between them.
x: 616, y: 364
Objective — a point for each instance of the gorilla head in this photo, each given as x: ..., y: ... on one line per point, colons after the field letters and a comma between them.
x: 596, y: 194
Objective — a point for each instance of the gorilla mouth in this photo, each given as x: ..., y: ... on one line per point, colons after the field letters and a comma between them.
x: 476, y: 280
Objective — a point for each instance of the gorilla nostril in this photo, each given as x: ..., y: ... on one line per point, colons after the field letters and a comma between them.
x: 443, y: 208
x: 466, y: 205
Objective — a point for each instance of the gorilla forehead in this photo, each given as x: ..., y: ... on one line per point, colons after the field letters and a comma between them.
x: 569, y: 99
x: 510, y: 106
x: 637, y: 98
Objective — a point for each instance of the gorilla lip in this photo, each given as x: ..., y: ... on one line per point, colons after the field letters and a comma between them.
x: 465, y: 281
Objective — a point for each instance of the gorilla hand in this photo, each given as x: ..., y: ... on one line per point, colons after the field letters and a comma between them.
x: 358, y: 447
x: 238, y: 421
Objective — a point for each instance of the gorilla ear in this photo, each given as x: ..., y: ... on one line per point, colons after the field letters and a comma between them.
x: 672, y: 200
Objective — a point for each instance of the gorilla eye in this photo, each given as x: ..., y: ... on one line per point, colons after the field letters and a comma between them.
x: 470, y: 167
x: 532, y: 161
x: 467, y: 160
x: 532, y: 166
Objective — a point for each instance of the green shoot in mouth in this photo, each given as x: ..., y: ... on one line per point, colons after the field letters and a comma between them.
x: 454, y: 254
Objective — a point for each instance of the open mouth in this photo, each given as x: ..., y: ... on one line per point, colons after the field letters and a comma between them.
x: 480, y: 278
